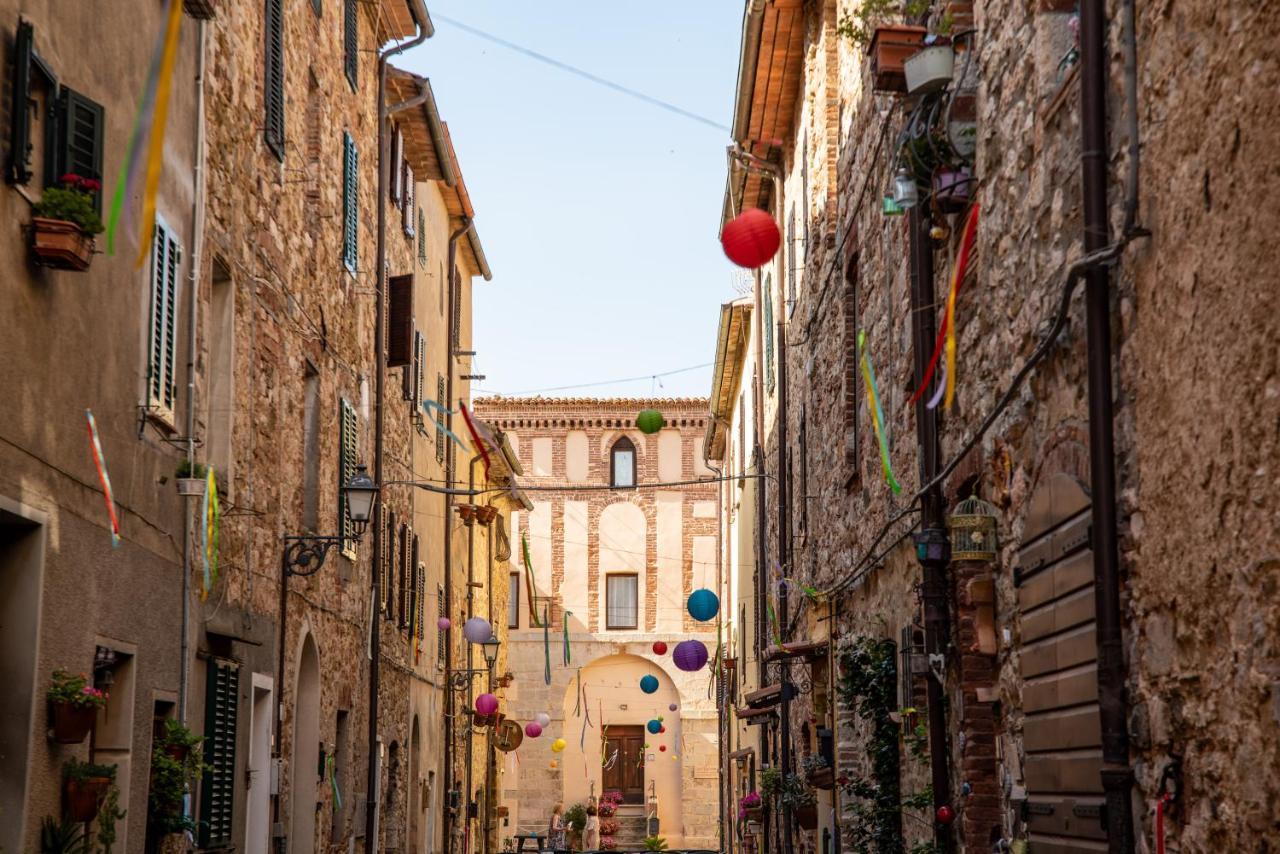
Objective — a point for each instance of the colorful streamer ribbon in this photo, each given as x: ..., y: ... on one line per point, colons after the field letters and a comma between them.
x: 546, y: 642
x: 946, y: 330
x: 441, y: 426
x: 333, y: 782
x: 155, y: 152
x: 100, y: 463
x: 475, y: 435
x: 212, y: 516
x: 877, y: 415
x: 567, y: 658
x: 528, y: 580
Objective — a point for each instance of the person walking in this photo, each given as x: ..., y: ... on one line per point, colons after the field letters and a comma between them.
x: 591, y: 833
x: 555, y: 832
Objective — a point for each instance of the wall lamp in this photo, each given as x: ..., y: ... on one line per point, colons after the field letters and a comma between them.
x: 304, y: 556
x: 462, y: 678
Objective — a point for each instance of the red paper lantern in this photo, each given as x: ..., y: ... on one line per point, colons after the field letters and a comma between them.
x: 659, y: 648
x: 946, y: 814
x: 662, y: 747
x: 751, y: 238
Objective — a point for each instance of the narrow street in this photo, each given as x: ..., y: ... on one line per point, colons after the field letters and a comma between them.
x: 803, y: 427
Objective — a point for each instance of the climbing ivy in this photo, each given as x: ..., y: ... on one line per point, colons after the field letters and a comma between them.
x: 868, y: 683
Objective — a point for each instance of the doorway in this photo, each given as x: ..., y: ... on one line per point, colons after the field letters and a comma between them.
x: 306, y: 752
x: 257, y: 823
x: 21, y: 580
x: 626, y: 773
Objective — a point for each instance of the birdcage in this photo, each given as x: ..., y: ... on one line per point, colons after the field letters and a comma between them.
x: 973, y: 530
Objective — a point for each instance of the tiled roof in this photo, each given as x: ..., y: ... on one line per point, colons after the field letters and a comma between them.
x: 538, y: 402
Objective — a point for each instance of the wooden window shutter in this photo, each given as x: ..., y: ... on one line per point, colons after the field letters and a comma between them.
x: 422, y: 237
x: 166, y: 255
x: 351, y: 40
x: 273, y: 74
x: 439, y: 415
x: 402, y: 586
x: 350, y: 202
x: 408, y: 211
x: 419, y: 368
x: 217, y: 792
x: 397, y: 156
x: 400, y: 321
x: 20, y: 119
x: 387, y: 571
x: 420, y: 593
x: 348, y: 448
x: 80, y: 123
x: 415, y: 618
x: 441, y: 635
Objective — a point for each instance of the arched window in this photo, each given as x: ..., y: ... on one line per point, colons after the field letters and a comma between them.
x: 622, y: 463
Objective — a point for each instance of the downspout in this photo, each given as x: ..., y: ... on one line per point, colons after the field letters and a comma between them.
x: 471, y: 612
x: 449, y: 706
x: 373, y: 799
x: 488, y: 739
x: 784, y: 558
x: 722, y: 705
x: 932, y: 543
x: 193, y: 287
x: 1117, y: 776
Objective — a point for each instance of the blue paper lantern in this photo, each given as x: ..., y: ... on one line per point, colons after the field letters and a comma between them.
x: 703, y: 605
x: 654, y: 727
x: 649, y: 684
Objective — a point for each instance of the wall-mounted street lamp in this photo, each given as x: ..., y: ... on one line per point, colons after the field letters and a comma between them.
x: 462, y: 678
x: 305, y: 555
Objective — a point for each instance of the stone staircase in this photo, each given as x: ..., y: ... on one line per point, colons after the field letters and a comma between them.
x: 631, y: 826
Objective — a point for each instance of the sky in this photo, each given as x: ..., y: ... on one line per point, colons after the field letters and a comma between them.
x: 598, y: 212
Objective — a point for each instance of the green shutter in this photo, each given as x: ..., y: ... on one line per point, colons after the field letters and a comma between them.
x: 348, y: 445
x: 80, y: 128
x: 422, y: 237
x: 768, y: 334
x: 166, y: 255
x: 273, y: 74
x: 351, y: 40
x: 419, y: 371
x: 217, y: 791
x: 441, y: 634
x: 350, y: 202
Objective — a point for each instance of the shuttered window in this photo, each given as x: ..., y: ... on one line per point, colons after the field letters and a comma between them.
x: 419, y: 371
x: 402, y: 604
x: 621, y: 602
x: 415, y: 590
x: 347, y: 455
x: 397, y: 157
x: 399, y: 321
x: 386, y: 569
x: 166, y: 256
x: 422, y: 237
x: 217, y: 792
x: 440, y: 416
x: 768, y: 334
x: 408, y: 212
x: 441, y: 634
x: 273, y: 77
x: 350, y: 201
x: 78, y: 133
x: 351, y: 40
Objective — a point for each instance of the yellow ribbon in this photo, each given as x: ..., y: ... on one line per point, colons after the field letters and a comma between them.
x: 155, y: 151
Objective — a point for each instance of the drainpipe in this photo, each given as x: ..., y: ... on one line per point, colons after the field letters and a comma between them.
x: 1117, y: 776
x: 488, y: 740
x: 449, y: 705
x: 471, y: 612
x: 784, y: 557
x: 373, y: 799
x: 193, y: 288
x: 932, y: 543
x: 722, y: 706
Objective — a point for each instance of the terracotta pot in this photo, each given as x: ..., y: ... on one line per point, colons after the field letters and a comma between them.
x: 889, y: 49
x: 60, y: 244
x: 72, y: 723
x: 83, y: 797
x: 173, y: 843
x: 177, y: 751
x: 756, y: 814
x: 822, y: 778
x: 807, y: 816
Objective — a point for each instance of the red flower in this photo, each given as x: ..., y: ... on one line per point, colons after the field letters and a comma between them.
x: 90, y: 185
x: 70, y: 179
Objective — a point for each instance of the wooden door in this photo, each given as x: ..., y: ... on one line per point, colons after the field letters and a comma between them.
x: 625, y: 773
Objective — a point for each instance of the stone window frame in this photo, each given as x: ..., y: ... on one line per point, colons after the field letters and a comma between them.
x: 635, y: 623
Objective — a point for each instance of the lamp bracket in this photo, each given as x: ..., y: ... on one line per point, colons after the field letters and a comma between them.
x: 303, y: 556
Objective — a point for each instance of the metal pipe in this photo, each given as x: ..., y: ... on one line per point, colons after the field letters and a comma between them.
x: 722, y: 711
x: 372, y: 799
x: 784, y: 557
x: 1117, y: 776
x: 471, y: 612
x: 932, y: 545
x: 489, y: 758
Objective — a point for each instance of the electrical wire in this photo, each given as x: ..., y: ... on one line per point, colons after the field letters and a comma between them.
x: 596, y: 384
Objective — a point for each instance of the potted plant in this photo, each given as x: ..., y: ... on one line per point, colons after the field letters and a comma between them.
x: 930, y: 68
x: 64, y: 837
x: 872, y: 27
x: 171, y: 779
x: 84, y: 786
x: 751, y: 807
x: 64, y: 223
x: 74, y: 705
x: 192, y: 478
x: 655, y: 843
x: 801, y: 800
x: 818, y: 771
x: 575, y: 821
x: 177, y: 740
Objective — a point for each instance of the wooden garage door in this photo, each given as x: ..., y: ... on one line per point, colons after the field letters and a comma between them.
x: 1061, y: 735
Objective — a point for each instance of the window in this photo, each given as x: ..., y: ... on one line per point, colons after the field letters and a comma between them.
x: 622, y: 463
x: 621, y: 602
x: 441, y: 635
x: 513, y: 601
x: 407, y: 211
x: 77, y: 135
x: 402, y: 577
x: 310, y: 449
x: 410, y: 620
x: 419, y: 600
x: 791, y: 260
x: 273, y: 78
x: 351, y: 41
x: 849, y: 368
x: 217, y: 793
x: 341, y: 760
x: 804, y: 471
x: 386, y: 570
x: 350, y: 202
x: 767, y: 332
x: 440, y: 392
x: 397, y: 157
x: 422, y: 237
x: 166, y: 255
x: 399, y: 321
x: 419, y: 369
x: 347, y: 449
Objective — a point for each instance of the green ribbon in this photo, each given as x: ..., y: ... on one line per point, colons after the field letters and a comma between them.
x: 546, y: 642
x: 565, y: 617
x: 877, y: 415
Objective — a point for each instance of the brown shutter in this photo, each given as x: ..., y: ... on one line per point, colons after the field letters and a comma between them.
x: 400, y: 314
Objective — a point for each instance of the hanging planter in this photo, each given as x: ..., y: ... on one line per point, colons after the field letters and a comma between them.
x: 73, y: 705
x: 72, y: 723
x: 60, y: 244
x: 929, y: 70
x: 889, y: 49
x: 84, y: 787
x: 807, y: 816
x: 951, y: 188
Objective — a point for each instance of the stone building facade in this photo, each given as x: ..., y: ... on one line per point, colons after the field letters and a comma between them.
x: 1020, y: 658
x: 620, y: 533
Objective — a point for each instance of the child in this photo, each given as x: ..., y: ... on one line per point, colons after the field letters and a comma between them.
x: 556, y: 831
x: 591, y: 834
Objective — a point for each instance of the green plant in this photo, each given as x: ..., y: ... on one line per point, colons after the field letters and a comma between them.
x: 770, y: 782
x: 916, y: 738
x: 79, y: 771
x: 868, y: 682
x: 72, y: 202
x: 173, y: 773
x: 66, y: 837
x: 575, y: 817
x: 655, y: 843
x: 108, y: 815
x: 795, y: 794
x: 861, y: 25
x: 75, y: 690
x: 921, y: 800
x: 186, y: 468
x: 178, y: 736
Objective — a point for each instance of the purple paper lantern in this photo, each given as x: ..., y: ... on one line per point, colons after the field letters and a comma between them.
x: 532, y: 729
x: 672, y: 707
x: 486, y: 704
x: 443, y: 624
x: 477, y: 630
x: 690, y: 656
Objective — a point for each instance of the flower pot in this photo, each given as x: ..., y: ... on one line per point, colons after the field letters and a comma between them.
x: 807, y: 816
x: 929, y: 70
x: 72, y: 723
x: 951, y: 189
x: 84, y: 797
x: 172, y: 843
x: 177, y: 751
x: 755, y: 814
x: 821, y: 778
x: 60, y: 244
x: 890, y: 46
x: 192, y: 485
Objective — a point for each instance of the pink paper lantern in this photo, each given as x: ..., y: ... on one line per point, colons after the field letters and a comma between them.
x: 532, y: 729
x: 486, y: 704
x: 443, y: 624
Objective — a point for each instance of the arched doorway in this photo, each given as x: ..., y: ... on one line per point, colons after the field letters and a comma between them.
x: 416, y: 845
x: 306, y: 751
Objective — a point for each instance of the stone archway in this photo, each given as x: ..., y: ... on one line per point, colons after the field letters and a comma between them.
x: 306, y: 750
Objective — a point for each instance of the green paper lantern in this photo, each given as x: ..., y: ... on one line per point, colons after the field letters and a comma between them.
x: 650, y: 421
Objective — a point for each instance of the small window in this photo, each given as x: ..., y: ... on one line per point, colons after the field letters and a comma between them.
x: 347, y: 449
x: 397, y: 158
x: 351, y: 41
x: 768, y: 334
x: 166, y: 256
x: 622, y: 463
x: 408, y: 212
x: 217, y: 792
x: 513, y: 601
x: 350, y: 202
x: 621, y: 601
x: 273, y: 82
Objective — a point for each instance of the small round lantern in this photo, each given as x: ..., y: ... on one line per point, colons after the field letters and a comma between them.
x: 554, y: 765
x: 659, y: 648
x: 477, y: 630
x: 690, y: 656
x: 751, y: 238
x: 973, y: 531
x: 649, y: 684
x: 532, y: 729
x: 557, y: 745
x: 653, y: 726
x: 672, y: 707
x: 650, y: 421
x: 443, y: 624
x: 945, y: 814
x: 543, y: 719
x: 662, y: 748
x: 486, y: 704
x: 703, y: 605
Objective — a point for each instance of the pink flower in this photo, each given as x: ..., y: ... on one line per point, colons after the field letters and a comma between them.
x: 91, y: 185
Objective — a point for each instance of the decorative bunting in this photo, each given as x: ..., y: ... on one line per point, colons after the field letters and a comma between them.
x: 528, y: 580
x: 445, y: 430
x: 546, y: 642
x: 155, y: 153
x: 946, y: 330
x: 475, y: 435
x: 100, y: 462
x: 877, y: 415
x: 564, y: 618
x: 212, y: 516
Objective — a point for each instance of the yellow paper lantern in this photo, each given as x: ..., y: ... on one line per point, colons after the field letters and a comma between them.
x: 557, y: 745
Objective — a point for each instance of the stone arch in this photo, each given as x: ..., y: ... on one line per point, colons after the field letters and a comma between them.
x: 306, y: 748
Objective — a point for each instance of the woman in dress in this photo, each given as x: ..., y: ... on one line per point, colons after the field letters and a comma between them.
x: 556, y: 830
x: 591, y: 834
